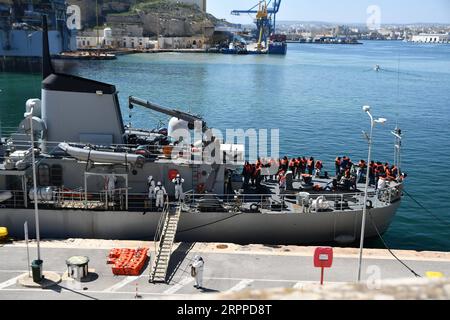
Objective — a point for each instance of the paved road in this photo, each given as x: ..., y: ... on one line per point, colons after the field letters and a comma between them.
x: 224, y: 272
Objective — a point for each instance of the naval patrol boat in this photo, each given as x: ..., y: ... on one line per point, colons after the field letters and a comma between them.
x: 92, y: 179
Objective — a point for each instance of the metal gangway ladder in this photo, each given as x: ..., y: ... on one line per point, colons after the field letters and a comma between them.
x: 164, y: 240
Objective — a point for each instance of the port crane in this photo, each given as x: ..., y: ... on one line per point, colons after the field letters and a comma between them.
x: 265, y: 18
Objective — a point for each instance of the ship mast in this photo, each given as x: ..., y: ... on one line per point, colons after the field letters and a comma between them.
x: 98, y: 35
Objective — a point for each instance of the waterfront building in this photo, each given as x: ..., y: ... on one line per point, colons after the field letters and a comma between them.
x: 431, y: 38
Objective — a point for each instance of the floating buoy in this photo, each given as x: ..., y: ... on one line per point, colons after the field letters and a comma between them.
x: 3, y: 232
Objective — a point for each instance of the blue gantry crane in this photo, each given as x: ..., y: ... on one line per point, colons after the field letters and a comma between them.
x: 265, y: 19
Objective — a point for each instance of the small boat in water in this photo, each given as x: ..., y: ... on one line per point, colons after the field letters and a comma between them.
x: 85, y: 55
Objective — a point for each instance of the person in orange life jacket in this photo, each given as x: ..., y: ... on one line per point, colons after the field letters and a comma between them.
x: 361, y: 171
x: 273, y: 169
x: 258, y: 163
x: 389, y: 175
x: 246, y: 173
x: 310, y: 165
x: 292, y: 166
x: 394, y: 171
x: 337, y: 165
x: 386, y: 167
x: 344, y: 164
x: 319, y: 167
x: 282, y: 180
x: 258, y: 176
x: 297, y: 165
x: 346, y: 180
x: 253, y: 177
x: 379, y: 171
x: 303, y: 165
x: 350, y: 164
x: 372, y: 173
x: 285, y: 163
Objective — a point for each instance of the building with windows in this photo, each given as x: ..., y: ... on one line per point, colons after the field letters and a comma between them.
x: 431, y: 38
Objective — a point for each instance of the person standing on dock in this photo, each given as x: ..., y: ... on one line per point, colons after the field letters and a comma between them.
x: 160, y: 193
x: 197, y: 271
x: 178, y: 181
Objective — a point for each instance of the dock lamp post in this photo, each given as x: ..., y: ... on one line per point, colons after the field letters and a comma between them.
x: 366, y: 109
x: 37, y: 264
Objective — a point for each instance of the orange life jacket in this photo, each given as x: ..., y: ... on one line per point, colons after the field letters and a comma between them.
x: 292, y: 163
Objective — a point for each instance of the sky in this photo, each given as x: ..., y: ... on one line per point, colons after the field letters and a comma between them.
x: 344, y: 11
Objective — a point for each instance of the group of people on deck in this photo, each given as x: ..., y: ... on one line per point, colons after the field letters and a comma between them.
x: 277, y: 169
x: 380, y: 174
x: 347, y: 173
x: 157, y: 192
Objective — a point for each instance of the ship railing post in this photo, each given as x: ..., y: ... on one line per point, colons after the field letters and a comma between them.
x: 126, y: 193
x: 24, y: 185
x: 85, y: 192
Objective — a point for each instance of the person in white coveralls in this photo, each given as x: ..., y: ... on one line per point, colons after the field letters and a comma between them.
x: 197, y: 271
x: 160, y: 193
x: 178, y: 181
x: 151, y: 188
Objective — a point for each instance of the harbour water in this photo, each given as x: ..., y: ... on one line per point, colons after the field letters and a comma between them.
x: 314, y: 95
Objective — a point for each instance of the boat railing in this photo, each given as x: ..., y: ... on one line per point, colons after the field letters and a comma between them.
x: 123, y: 200
x: 12, y: 199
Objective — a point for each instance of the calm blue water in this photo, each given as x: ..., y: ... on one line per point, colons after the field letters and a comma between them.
x: 314, y: 96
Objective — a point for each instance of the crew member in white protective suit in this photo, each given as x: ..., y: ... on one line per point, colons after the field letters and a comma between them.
x: 151, y: 188
x: 160, y: 193
x: 197, y: 271
x: 178, y: 181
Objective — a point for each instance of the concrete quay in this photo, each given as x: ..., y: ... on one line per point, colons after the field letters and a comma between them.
x: 231, y: 271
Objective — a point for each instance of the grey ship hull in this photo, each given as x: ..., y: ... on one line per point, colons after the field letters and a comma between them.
x: 244, y: 228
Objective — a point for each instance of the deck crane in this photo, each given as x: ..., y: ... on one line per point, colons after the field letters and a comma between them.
x: 265, y: 18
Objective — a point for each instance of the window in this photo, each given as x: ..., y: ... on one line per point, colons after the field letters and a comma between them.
x: 43, y: 175
x: 56, y: 175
